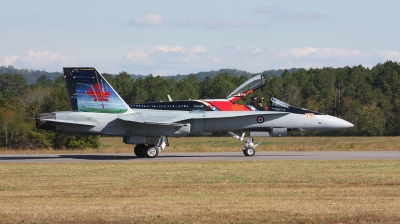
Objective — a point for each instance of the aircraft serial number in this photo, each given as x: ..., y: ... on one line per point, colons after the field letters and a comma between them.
x: 311, y: 115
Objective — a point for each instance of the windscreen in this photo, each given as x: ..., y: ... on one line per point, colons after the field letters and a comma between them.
x: 278, y: 103
x: 253, y: 83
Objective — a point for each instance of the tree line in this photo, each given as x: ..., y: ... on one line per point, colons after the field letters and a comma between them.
x: 367, y: 97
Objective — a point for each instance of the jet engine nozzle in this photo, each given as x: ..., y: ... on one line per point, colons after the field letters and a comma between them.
x: 42, y: 123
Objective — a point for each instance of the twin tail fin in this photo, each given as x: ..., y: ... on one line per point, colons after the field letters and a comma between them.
x: 90, y: 92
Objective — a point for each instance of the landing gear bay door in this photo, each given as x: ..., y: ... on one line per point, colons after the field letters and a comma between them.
x: 246, y: 88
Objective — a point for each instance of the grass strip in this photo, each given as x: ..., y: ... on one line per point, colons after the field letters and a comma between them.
x: 201, y: 192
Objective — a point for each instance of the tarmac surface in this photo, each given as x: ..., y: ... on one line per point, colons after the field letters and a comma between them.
x: 201, y: 157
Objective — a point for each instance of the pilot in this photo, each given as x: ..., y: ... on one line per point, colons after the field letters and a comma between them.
x: 261, y: 103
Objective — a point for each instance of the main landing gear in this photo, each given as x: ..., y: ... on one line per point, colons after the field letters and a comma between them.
x: 151, y: 150
x: 249, y: 147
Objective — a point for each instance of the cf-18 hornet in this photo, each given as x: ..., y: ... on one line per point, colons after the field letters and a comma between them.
x: 97, y: 109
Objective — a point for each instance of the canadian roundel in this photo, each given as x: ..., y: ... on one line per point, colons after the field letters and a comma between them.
x: 260, y: 119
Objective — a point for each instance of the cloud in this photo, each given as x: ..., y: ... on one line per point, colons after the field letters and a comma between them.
x: 179, y: 59
x: 164, y: 57
x: 216, y: 59
x: 138, y: 57
x: 158, y: 20
x: 199, y: 49
x: 341, y: 53
x: 147, y: 20
x: 39, y: 60
x: 166, y: 48
x: 44, y: 58
x: 172, y: 60
x: 390, y: 55
x: 268, y: 9
x: 256, y: 49
x: 299, y: 52
x: 298, y: 16
x: 278, y: 14
x: 8, y: 60
x: 210, y: 23
x: 327, y: 53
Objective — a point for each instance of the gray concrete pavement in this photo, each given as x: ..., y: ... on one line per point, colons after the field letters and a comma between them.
x: 193, y: 157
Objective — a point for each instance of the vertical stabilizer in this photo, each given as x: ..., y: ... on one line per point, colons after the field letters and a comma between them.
x: 90, y: 92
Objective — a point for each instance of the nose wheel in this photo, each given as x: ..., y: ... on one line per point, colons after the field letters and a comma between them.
x: 249, y: 151
x: 249, y: 147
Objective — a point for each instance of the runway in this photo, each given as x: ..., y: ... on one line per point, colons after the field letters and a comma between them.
x: 200, y: 157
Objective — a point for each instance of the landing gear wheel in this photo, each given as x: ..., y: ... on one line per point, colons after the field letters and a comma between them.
x: 249, y: 151
x: 140, y: 150
x: 151, y: 152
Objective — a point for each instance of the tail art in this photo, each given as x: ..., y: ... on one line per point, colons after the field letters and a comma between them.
x: 90, y: 92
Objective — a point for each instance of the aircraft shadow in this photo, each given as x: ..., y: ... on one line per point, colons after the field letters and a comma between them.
x: 162, y: 156
x: 223, y: 156
x: 25, y: 157
x: 133, y: 157
x: 99, y: 157
x: 81, y: 157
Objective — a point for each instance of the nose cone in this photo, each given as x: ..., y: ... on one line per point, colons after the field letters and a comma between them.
x: 335, y: 123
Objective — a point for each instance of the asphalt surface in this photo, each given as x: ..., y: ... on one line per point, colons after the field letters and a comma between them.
x: 197, y: 157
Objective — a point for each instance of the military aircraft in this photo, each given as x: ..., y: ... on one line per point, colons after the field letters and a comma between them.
x: 99, y: 110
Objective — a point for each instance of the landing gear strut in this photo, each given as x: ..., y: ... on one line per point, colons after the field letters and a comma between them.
x: 249, y: 147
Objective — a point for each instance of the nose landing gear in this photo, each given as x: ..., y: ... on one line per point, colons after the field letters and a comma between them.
x: 249, y: 147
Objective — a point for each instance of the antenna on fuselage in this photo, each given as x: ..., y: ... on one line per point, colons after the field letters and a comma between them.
x: 169, y: 97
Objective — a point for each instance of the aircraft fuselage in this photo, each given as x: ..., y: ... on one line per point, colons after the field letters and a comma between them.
x: 194, y: 122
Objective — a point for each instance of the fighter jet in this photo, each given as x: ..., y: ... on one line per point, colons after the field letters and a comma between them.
x: 97, y: 109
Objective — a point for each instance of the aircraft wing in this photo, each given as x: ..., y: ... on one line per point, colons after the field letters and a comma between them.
x: 152, y: 117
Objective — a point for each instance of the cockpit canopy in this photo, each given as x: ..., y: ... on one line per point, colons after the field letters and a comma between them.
x: 249, y: 86
x: 274, y: 102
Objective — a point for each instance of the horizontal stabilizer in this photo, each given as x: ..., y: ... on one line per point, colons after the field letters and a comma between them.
x: 71, y: 122
x: 159, y: 123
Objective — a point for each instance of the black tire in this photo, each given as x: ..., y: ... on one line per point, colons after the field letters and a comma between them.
x: 151, y: 152
x: 249, y: 151
x: 140, y: 150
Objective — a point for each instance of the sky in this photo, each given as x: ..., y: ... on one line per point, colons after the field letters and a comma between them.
x: 183, y: 37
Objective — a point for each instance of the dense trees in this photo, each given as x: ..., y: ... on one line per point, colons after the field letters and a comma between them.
x: 367, y: 97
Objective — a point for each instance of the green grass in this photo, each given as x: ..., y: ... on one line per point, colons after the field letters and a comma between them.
x: 201, y: 192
